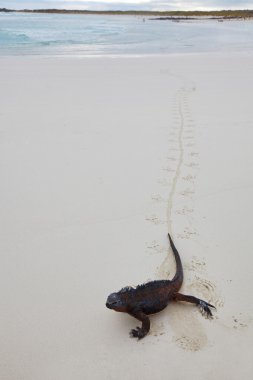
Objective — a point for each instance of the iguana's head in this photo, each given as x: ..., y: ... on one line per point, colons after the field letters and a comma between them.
x: 119, y: 301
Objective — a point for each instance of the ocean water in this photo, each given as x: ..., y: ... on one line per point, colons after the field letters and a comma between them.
x: 54, y: 34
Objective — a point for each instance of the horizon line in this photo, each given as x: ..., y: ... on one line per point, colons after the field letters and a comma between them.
x: 125, y: 11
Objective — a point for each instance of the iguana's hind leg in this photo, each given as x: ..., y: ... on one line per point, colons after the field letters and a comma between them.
x: 202, y: 305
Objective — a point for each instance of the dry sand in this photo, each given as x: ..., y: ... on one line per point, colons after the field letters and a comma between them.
x: 99, y: 158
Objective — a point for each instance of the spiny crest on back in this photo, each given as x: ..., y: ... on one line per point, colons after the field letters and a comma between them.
x: 155, y: 284
x: 126, y: 289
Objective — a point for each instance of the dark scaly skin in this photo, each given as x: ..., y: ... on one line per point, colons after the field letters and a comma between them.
x: 152, y: 297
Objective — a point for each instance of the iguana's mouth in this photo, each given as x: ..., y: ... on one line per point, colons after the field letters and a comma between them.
x: 110, y: 304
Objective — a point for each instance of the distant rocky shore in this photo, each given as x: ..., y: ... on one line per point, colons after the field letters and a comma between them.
x: 166, y: 15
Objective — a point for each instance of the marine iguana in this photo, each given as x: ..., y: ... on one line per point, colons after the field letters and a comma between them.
x: 152, y: 297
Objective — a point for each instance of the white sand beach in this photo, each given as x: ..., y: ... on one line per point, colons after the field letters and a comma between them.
x: 99, y: 158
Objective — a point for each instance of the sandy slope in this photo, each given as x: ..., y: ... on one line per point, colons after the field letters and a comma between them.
x: 99, y: 157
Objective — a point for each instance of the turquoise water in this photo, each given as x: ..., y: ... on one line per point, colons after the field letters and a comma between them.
x: 52, y: 34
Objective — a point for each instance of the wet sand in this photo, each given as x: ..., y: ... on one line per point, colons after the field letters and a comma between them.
x: 99, y: 158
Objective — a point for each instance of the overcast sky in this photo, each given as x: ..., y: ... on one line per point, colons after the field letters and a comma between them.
x: 129, y: 4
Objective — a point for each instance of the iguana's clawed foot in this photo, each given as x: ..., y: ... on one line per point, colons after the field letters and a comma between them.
x: 205, y: 310
x: 137, y: 333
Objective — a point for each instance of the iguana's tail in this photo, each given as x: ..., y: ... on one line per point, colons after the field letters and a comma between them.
x: 178, y: 278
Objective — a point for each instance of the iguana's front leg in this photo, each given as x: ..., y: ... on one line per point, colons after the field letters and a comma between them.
x: 140, y: 332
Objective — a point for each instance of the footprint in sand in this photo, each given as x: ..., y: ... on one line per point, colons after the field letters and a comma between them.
x: 187, y: 234
x: 188, y: 343
x: 189, y: 178
x: 155, y: 248
x: 239, y: 322
x: 196, y: 265
x: 207, y: 291
x: 157, y: 198
x: 157, y: 329
x: 191, y: 165
x: 154, y: 219
x: 187, y: 193
x: 184, y: 211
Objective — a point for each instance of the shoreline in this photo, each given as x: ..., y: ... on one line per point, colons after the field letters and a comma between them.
x: 133, y: 56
